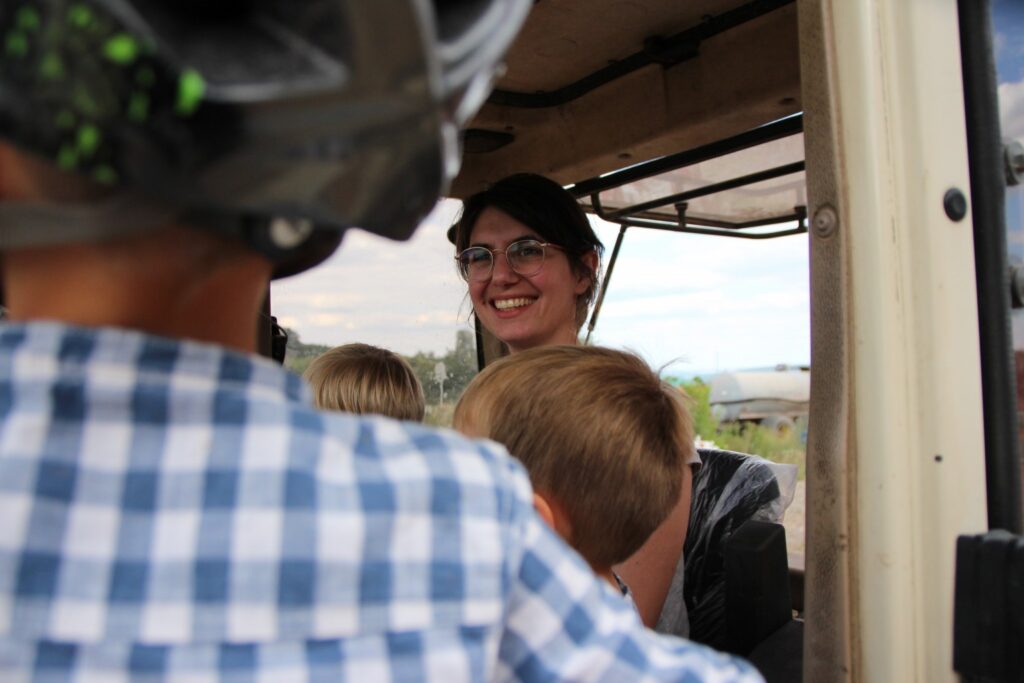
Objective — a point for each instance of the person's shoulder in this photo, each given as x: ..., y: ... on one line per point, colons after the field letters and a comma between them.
x: 405, y: 452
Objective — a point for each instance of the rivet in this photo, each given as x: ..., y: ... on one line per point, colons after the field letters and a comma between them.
x: 955, y: 204
x: 825, y: 221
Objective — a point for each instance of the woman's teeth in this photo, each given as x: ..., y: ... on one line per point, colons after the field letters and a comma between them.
x: 506, y: 304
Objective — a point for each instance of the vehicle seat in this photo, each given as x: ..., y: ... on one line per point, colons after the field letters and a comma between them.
x: 728, y: 490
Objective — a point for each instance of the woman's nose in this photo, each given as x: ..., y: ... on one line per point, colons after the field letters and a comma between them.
x: 502, y: 271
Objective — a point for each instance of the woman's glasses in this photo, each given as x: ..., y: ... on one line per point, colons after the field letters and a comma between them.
x: 525, y: 257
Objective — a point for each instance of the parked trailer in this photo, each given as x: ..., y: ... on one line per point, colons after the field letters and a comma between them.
x: 772, y: 398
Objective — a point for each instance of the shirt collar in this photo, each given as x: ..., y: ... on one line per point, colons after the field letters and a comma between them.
x: 104, y: 352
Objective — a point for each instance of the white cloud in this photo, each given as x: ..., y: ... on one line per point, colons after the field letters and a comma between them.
x: 701, y: 303
x: 318, y: 299
x: 405, y: 296
x: 1011, y: 109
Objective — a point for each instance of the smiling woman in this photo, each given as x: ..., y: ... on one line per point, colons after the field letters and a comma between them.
x: 531, y: 260
x: 523, y: 296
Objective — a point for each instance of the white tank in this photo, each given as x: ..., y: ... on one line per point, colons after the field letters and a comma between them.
x: 756, y: 395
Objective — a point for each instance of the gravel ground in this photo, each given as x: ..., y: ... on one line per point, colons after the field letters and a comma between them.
x: 794, y: 520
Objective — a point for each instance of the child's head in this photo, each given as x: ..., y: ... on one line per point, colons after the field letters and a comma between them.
x: 359, y: 378
x: 601, y: 436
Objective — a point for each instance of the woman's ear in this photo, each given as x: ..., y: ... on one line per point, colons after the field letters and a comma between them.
x: 588, y: 276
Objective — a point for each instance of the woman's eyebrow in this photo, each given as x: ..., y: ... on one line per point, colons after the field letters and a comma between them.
x: 487, y: 245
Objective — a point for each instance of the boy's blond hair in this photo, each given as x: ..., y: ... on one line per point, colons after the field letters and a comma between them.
x: 360, y: 378
x: 598, y: 432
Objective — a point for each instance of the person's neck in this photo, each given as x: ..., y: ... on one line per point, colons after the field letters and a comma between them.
x: 76, y: 286
x: 608, y: 575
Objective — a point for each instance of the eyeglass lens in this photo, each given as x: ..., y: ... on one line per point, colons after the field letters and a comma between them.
x: 525, y: 257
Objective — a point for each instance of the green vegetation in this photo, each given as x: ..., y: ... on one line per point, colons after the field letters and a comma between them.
x: 297, y: 355
x: 784, y: 447
x: 460, y: 367
x: 440, y: 414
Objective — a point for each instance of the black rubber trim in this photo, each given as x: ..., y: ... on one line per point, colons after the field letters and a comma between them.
x: 776, y: 130
x: 665, y: 51
x: 988, y: 195
x: 478, y: 331
x: 682, y: 224
x: 607, y: 280
x: 714, y: 188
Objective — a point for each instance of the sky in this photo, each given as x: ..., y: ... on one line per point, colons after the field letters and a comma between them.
x: 1008, y: 29
x: 686, y: 303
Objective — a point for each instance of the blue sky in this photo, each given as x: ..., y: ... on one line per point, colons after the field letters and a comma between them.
x: 708, y: 303
x: 1008, y: 27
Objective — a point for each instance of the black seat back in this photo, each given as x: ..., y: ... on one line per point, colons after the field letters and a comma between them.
x: 757, y: 602
x: 728, y: 489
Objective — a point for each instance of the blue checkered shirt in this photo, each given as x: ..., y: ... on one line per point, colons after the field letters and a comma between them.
x: 175, y: 511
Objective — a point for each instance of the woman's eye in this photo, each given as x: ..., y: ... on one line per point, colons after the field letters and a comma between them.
x: 475, y: 256
x: 530, y: 250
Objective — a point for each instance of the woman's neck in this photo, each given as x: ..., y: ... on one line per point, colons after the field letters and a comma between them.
x: 567, y: 337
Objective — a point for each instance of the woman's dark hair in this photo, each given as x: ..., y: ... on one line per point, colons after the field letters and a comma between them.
x: 546, y: 208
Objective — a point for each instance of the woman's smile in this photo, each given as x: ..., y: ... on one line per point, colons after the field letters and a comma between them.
x: 516, y: 304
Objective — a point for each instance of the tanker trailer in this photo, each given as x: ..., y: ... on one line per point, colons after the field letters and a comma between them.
x: 772, y: 398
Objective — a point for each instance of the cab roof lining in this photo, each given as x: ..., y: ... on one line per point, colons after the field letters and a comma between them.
x: 593, y: 86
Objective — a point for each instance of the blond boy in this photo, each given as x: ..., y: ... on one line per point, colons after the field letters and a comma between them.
x: 603, y: 439
x: 360, y: 378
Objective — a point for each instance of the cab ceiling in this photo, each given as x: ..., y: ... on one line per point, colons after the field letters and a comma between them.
x: 592, y: 86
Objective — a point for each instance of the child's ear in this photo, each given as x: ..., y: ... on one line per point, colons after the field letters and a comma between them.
x: 554, y: 516
x: 543, y: 508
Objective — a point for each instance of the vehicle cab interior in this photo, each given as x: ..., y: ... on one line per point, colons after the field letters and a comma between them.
x: 687, y: 118
x: 866, y: 128
x: 870, y: 132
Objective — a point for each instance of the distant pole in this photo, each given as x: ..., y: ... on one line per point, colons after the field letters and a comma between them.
x: 440, y: 374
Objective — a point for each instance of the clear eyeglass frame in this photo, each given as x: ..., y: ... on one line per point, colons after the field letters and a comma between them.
x: 517, y: 256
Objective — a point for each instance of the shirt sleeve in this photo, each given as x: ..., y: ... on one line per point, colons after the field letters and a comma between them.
x: 563, y: 623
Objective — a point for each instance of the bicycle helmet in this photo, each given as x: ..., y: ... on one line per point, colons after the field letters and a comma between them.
x: 283, y: 122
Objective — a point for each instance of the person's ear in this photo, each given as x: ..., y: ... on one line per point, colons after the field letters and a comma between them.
x: 540, y: 504
x: 587, y: 276
x: 553, y: 515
